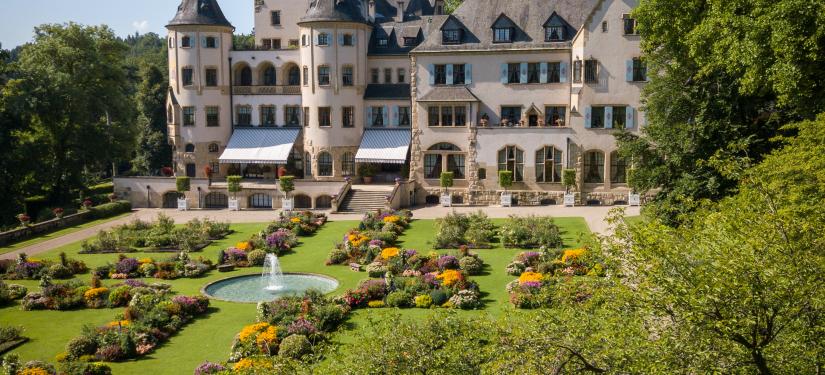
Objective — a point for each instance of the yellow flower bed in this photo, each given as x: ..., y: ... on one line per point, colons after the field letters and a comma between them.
x: 390, y: 252
x: 376, y: 304
x: 530, y: 277
x: 392, y: 219
x: 357, y: 239
x: 146, y: 261
x: 119, y: 323
x: 95, y: 293
x: 262, y: 332
x: 33, y: 371
x: 244, y: 246
x: 250, y: 364
x: 572, y: 255
x: 295, y: 220
x: 449, y: 277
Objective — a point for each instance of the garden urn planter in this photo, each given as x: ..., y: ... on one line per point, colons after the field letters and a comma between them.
x: 446, y: 200
x: 634, y: 200
x: 506, y: 199
x: 569, y: 199
x: 183, y: 204
x: 234, y: 204
x: 288, y: 204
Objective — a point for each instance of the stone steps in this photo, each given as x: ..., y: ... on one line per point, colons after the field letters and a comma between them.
x: 361, y: 201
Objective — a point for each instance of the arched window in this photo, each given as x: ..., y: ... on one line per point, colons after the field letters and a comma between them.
x: 618, y: 168
x: 307, y: 165
x: 303, y: 40
x: 594, y: 167
x: 348, y: 164
x: 245, y: 77
x: 189, y: 148
x: 260, y: 201
x: 548, y: 164
x: 294, y: 76
x: 323, y: 202
x: 324, y: 164
x: 268, y: 78
x: 511, y: 158
x: 213, y: 148
x: 444, y: 157
x: 303, y: 201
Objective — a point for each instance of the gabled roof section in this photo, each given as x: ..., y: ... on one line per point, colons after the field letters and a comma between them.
x: 503, y: 22
x: 199, y: 12
x: 336, y: 11
x: 555, y: 20
x: 451, y: 23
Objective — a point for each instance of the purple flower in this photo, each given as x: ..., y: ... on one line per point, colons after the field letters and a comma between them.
x: 410, y: 253
x: 135, y: 283
x: 448, y: 262
x: 234, y: 254
x: 531, y: 284
x: 376, y: 243
x: 279, y: 239
x: 127, y: 266
x: 302, y: 326
x: 208, y: 368
x: 429, y: 278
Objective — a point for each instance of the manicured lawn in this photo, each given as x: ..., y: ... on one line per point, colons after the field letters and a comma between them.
x: 62, y: 232
x: 210, y: 337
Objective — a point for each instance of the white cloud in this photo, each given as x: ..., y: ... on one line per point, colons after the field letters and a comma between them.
x: 141, y: 26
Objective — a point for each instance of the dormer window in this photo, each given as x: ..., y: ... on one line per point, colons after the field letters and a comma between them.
x: 382, y: 42
x: 554, y: 33
x: 409, y: 41
x: 502, y: 35
x: 451, y: 36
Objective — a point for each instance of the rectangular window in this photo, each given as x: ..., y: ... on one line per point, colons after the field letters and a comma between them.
x: 306, y: 76
x: 619, y: 117
x: 383, y: 42
x: 323, y: 76
x: 533, y: 73
x: 347, y: 39
x: 460, y: 116
x: 604, y: 26
x: 212, y: 117
x: 554, y: 72
x: 186, y: 42
x: 348, y: 117
x: 268, y: 115
x: 446, y: 116
x: 510, y: 115
x: 244, y: 115
x: 432, y: 166
x: 211, y: 42
x: 188, y: 116
x: 291, y: 117
x: 432, y: 116
x: 455, y: 164
x: 374, y: 75
x: 403, y: 116
x: 639, y: 70
x: 306, y: 116
x: 409, y: 42
x: 387, y: 75
x: 276, y: 17
x: 293, y: 43
x: 402, y: 75
x: 324, y: 117
x: 502, y: 35
x: 276, y: 44
x: 554, y: 116
x: 323, y: 39
x: 629, y: 25
x: 577, y: 71
x: 187, y: 76
x: 211, y: 77
x: 266, y: 43
x: 513, y: 73
x: 458, y: 74
x: 554, y: 33
x: 451, y: 36
x: 346, y: 76
x: 441, y: 74
x: 597, y: 119
x: 377, y: 116
x: 591, y: 71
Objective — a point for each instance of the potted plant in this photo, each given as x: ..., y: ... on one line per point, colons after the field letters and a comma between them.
x: 282, y: 171
x: 58, y: 212
x: 366, y: 172
x: 24, y: 219
x: 446, y: 183
x: 183, y: 185
x: 287, y: 186
x: 568, y: 179
x: 634, y: 198
x: 87, y: 204
x: 233, y: 185
x: 505, y: 180
x: 167, y: 171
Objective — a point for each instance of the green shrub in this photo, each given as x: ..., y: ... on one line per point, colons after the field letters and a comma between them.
x: 423, y: 301
x: 376, y: 269
x: 454, y: 230
x: 446, y: 179
x: 85, y: 368
x: 337, y: 256
x: 233, y: 184
x: 110, y: 209
x: 256, y: 257
x: 439, y: 297
x: 530, y: 232
x: 9, y: 334
x: 399, y: 299
x: 568, y: 179
x: 59, y: 271
x: 287, y: 184
x: 505, y: 179
x: 105, y: 188
x: 80, y: 346
x: 295, y: 346
x: 120, y: 296
x: 471, y: 264
x: 183, y: 184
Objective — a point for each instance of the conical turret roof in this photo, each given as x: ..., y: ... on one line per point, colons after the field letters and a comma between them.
x: 335, y: 11
x: 199, y: 12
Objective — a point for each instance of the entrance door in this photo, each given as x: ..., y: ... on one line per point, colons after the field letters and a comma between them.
x: 191, y: 170
x: 170, y: 200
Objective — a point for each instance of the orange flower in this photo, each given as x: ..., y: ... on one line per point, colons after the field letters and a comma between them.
x: 244, y: 246
x: 530, y: 277
x: 572, y: 255
x: 449, y: 277
x: 390, y: 252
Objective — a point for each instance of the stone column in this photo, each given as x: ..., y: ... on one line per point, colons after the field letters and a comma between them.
x: 416, y: 154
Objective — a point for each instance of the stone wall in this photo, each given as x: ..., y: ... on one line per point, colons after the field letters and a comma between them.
x: 23, y: 233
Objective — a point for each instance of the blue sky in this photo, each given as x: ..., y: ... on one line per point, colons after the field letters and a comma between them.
x: 19, y: 17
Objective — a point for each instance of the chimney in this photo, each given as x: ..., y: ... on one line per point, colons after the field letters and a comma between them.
x: 371, y: 10
x: 399, y: 5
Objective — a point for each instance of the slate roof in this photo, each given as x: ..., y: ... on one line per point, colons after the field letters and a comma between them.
x: 199, y: 12
x: 336, y: 11
x: 399, y: 91
x: 477, y: 17
x: 449, y: 94
x: 397, y: 31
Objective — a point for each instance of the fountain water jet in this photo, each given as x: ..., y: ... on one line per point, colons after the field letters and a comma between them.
x: 272, y: 275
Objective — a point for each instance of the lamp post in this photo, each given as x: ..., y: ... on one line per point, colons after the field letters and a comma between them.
x: 148, y: 196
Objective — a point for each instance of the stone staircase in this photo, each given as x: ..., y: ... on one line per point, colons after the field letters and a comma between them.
x: 359, y: 201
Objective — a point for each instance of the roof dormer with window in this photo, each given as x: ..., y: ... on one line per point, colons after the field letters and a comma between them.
x: 504, y: 29
x: 556, y: 29
x: 452, y: 31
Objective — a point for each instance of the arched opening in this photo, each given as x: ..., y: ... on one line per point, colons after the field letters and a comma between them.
x: 444, y: 157
x: 293, y: 76
x: 324, y: 164
x: 348, y: 164
x: 170, y: 199
x: 260, y: 201
x: 594, y: 167
x: 618, y: 168
x: 243, y: 75
x: 323, y: 202
x: 170, y: 114
x: 548, y: 164
x: 511, y: 158
x: 303, y: 201
x: 268, y: 75
x: 189, y: 148
x: 216, y: 200
x: 213, y: 148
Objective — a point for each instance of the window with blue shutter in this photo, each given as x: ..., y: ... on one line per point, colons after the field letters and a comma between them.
x: 369, y: 116
x: 431, y: 71
x: 395, y: 115
x: 628, y: 74
x: 449, y: 74
x: 588, y: 117
x: 468, y: 73
x: 203, y: 42
x: 523, y: 73
x: 563, y: 72
x: 340, y: 39
x: 543, y: 72
x: 386, y: 114
x: 630, y: 120
x: 608, y: 117
x: 504, y: 73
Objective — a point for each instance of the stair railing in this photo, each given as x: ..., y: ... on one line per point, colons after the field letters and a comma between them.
x: 342, y: 194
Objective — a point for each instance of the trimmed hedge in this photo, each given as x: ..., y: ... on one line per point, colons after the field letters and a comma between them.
x: 110, y: 209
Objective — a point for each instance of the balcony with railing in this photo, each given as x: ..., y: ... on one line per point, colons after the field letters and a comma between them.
x: 267, y: 90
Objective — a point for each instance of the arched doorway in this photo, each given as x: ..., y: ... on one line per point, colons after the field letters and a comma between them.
x: 170, y: 199
x: 303, y: 201
x: 260, y: 201
x: 323, y: 202
x: 216, y: 200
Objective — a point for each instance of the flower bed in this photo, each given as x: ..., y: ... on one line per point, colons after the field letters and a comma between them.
x: 33, y: 269
x: 11, y: 337
x: 160, y: 236
x: 11, y: 292
x: 301, y: 223
x: 530, y: 232
x: 151, y: 317
x: 253, y: 252
x: 76, y: 295
x: 178, y: 266
x: 377, y: 231
x: 542, y: 274
x: 475, y: 230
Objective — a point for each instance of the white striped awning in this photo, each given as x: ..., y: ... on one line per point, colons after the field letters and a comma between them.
x: 384, y: 146
x: 260, y: 146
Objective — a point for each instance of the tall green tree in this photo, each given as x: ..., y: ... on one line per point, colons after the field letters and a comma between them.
x: 70, y: 93
x: 723, y: 75
x: 153, y: 151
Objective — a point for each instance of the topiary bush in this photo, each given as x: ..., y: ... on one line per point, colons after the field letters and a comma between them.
x: 295, y: 346
x: 256, y: 257
x: 472, y: 265
x: 80, y: 346
x: 530, y: 232
x: 423, y: 301
x: 399, y: 299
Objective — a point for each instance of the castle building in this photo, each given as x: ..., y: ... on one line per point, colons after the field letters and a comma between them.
x: 336, y: 92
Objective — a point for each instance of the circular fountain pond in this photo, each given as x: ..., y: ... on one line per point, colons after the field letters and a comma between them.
x: 255, y: 288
